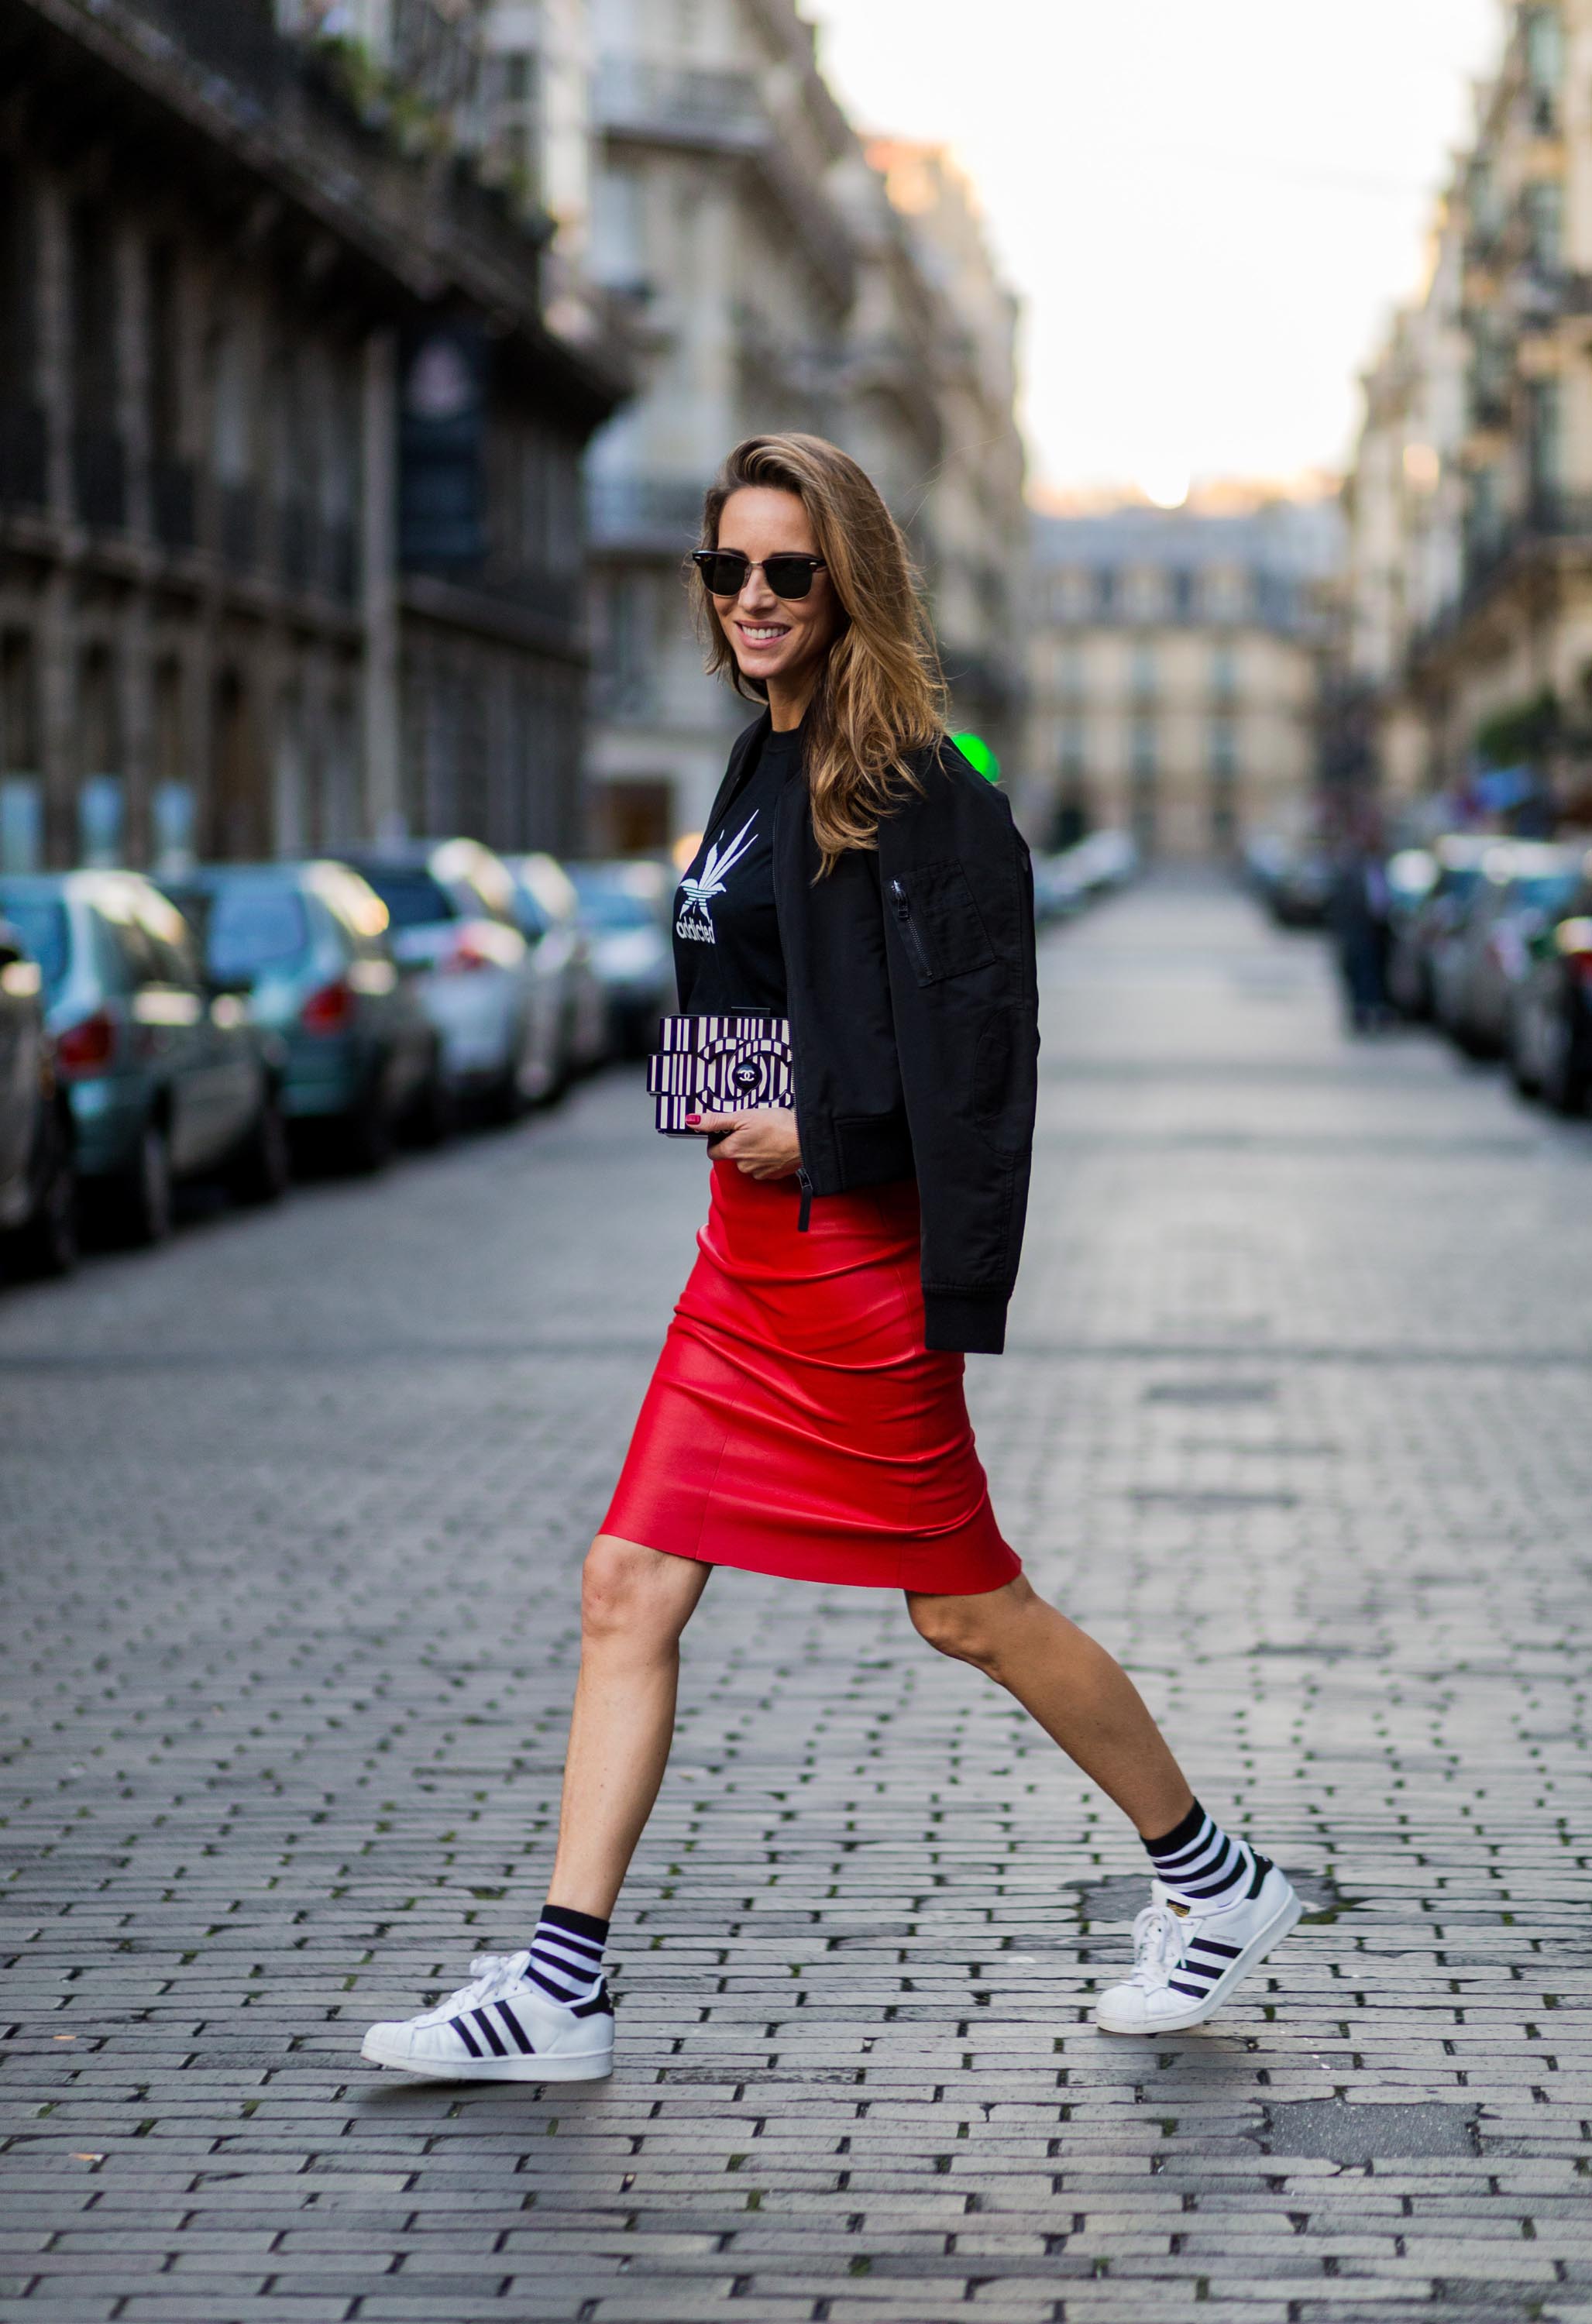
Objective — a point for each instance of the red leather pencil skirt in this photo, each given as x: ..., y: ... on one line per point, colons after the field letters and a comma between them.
x: 796, y: 1423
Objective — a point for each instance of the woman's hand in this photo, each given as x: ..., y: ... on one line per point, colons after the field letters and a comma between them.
x: 762, y: 1144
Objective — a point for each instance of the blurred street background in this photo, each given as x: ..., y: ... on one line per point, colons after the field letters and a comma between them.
x: 362, y: 367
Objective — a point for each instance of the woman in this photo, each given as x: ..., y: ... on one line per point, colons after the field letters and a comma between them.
x: 806, y: 1417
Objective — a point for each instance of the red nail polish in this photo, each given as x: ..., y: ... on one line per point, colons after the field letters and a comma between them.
x: 692, y: 1120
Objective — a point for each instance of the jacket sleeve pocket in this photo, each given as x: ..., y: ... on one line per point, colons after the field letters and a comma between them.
x: 938, y: 922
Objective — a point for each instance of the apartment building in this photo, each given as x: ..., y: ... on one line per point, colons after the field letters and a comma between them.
x: 972, y: 509
x: 290, y: 545
x: 1175, y: 669
x: 775, y: 276
x: 1470, y: 499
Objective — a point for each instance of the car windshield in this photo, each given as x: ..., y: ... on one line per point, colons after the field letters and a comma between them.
x: 255, y: 928
x: 41, y: 924
x: 413, y: 898
x: 613, y: 908
x: 1549, y: 891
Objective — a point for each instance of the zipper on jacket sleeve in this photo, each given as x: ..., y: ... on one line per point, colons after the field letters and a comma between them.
x: 908, y: 925
x: 805, y: 1216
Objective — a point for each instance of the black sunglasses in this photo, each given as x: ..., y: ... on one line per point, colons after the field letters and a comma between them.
x: 726, y: 572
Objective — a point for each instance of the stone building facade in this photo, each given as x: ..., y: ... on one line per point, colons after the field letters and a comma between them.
x: 777, y: 278
x: 1176, y: 666
x: 291, y: 538
x: 1471, y: 498
x: 971, y: 501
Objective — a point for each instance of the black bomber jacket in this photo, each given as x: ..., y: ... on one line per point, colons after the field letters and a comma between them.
x: 914, y: 1019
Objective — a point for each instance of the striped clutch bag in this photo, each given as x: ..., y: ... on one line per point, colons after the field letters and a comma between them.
x: 718, y: 1065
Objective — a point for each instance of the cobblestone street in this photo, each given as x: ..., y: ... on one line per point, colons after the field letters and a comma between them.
x: 1295, y: 1419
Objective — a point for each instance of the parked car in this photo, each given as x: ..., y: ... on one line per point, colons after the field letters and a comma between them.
x: 1293, y: 877
x: 166, y: 1077
x: 1550, y: 1035
x: 1524, y: 886
x: 625, y: 907
x: 547, y: 907
x: 1263, y: 856
x: 450, y: 908
x: 1302, y: 896
x: 362, y: 1062
x: 38, y: 1186
x: 1419, y: 935
x: 1104, y: 860
x: 1060, y: 887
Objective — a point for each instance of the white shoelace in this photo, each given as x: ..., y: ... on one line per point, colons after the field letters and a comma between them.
x: 490, y: 1976
x: 1159, y: 1938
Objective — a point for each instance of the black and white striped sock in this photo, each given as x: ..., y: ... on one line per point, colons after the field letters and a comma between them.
x: 567, y: 1954
x: 1202, y: 1868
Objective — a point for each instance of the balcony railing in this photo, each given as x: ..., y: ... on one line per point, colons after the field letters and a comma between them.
x: 173, y: 499
x: 679, y: 104
x: 1548, y: 516
x: 340, y: 559
x: 23, y: 456
x: 817, y: 223
x: 295, y: 543
x: 236, y: 39
x: 99, y: 479
x: 239, y: 527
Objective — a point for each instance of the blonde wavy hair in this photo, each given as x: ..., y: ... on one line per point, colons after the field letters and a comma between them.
x: 881, y: 693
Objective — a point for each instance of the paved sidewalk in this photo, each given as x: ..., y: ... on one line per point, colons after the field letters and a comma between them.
x: 1296, y: 1418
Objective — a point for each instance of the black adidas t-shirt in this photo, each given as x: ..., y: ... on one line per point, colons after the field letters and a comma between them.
x: 727, y: 953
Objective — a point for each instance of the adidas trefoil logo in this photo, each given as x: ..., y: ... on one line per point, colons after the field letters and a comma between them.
x: 694, y: 921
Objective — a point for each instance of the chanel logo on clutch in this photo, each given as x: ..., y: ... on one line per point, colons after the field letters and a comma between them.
x: 718, y: 1065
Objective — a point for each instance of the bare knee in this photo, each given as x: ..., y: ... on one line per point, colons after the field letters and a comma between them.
x: 969, y: 1630
x: 634, y: 1596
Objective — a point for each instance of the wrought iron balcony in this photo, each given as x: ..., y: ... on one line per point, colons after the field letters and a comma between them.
x: 340, y: 561
x: 1548, y: 516
x: 236, y: 39
x: 818, y: 224
x: 23, y: 456
x: 173, y: 503
x: 295, y: 543
x: 99, y: 479
x: 679, y: 104
x: 239, y: 527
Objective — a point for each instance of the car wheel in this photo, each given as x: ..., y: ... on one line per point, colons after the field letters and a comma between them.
x: 144, y: 1206
x: 47, y: 1244
x: 431, y: 1118
x: 506, y: 1100
x: 264, y: 1164
x: 366, y: 1141
x: 1564, y: 1075
x: 1517, y: 1058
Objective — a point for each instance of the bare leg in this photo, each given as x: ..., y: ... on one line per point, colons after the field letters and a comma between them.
x: 634, y: 1604
x: 1083, y: 1699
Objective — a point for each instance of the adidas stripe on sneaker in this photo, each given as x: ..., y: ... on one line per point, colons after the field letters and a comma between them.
x: 1187, y: 1964
x: 501, y: 2027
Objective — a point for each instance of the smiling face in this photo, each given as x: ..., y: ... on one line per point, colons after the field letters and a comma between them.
x: 783, y: 640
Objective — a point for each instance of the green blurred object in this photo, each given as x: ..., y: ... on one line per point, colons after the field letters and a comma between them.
x: 979, y: 756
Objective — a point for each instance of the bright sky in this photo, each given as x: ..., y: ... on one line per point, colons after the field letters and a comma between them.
x: 1208, y: 206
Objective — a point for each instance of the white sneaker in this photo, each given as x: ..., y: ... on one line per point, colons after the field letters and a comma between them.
x: 499, y: 2028
x: 1186, y: 1964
